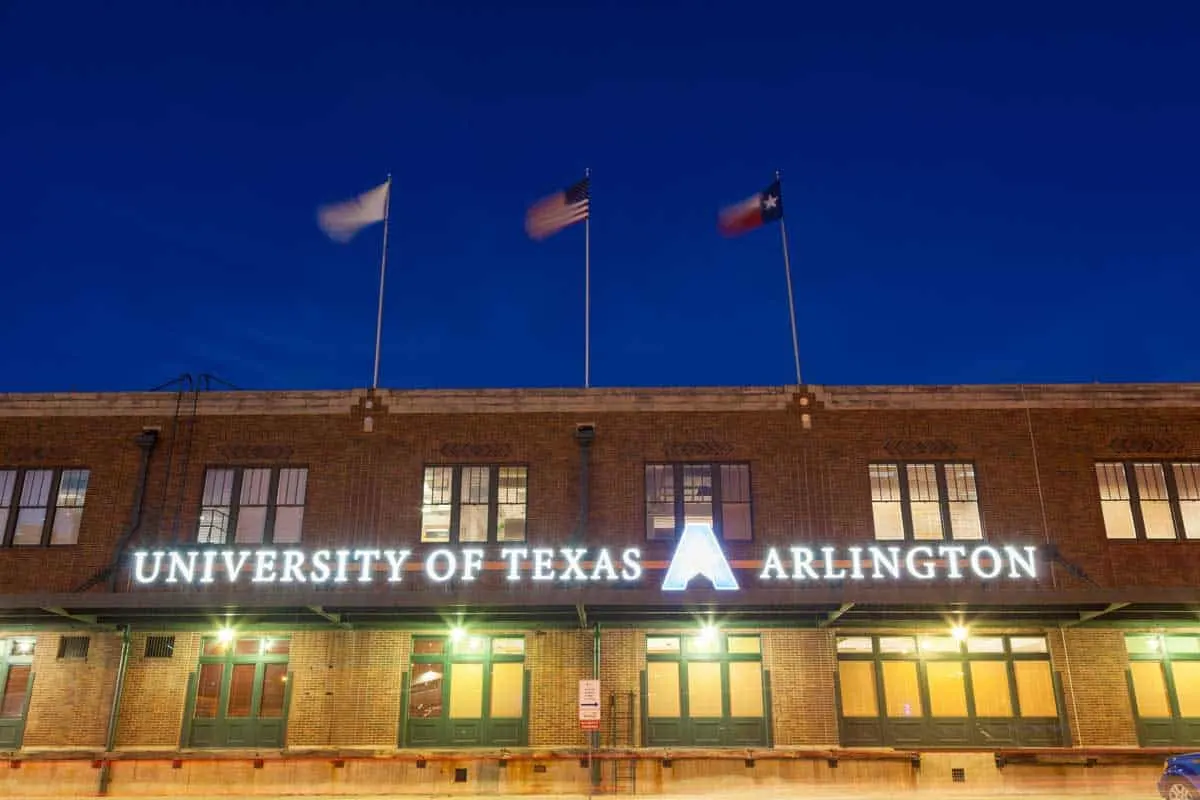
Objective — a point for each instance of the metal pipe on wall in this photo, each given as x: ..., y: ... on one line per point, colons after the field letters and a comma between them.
x: 114, y: 713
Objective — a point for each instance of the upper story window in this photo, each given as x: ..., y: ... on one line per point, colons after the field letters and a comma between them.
x: 252, y: 505
x: 715, y: 494
x: 41, y: 506
x: 474, y: 504
x: 1150, y: 500
x: 925, y: 502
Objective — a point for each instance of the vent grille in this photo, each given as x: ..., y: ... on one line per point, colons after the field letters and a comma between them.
x: 160, y: 646
x: 73, y: 647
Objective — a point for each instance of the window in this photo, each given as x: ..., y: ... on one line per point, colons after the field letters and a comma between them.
x: 474, y: 504
x: 925, y: 502
x: 714, y: 494
x: 240, y: 693
x: 1150, y: 500
x: 908, y: 691
x: 41, y: 506
x: 16, y: 682
x: 467, y: 691
x: 258, y: 505
x: 1164, y: 685
x: 705, y: 691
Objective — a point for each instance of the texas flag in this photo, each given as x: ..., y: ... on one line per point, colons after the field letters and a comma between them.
x: 753, y: 212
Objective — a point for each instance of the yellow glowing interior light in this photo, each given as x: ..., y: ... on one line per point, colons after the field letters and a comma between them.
x: 225, y: 635
x: 959, y: 633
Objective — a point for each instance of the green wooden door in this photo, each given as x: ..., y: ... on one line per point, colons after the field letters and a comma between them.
x: 241, y: 695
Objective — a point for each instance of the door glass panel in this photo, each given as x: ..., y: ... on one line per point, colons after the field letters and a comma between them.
x: 1150, y: 690
x: 466, y: 691
x: 247, y: 647
x: 208, y: 690
x: 989, y: 685
x: 507, y: 690
x: 277, y: 647
x: 947, y: 689
x: 274, y: 684
x: 745, y: 689
x: 985, y: 644
x: 1187, y: 687
x: 428, y: 647
x: 662, y: 689
x: 897, y: 644
x: 747, y: 644
x: 704, y: 689
x: 854, y: 644
x: 940, y: 644
x: 1183, y: 645
x: 241, y: 690
x: 700, y: 645
x: 1028, y: 644
x: 668, y: 645
x: 901, y: 690
x: 508, y: 647
x: 856, y: 681
x: 425, y: 691
x: 1035, y: 689
x: 12, y: 705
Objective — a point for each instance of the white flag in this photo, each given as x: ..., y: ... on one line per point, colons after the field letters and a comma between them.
x: 342, y: 220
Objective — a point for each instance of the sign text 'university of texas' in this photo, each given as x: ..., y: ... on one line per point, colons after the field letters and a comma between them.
x: 698, y: 555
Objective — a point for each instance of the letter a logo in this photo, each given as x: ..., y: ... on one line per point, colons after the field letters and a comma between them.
x: 698, y: 553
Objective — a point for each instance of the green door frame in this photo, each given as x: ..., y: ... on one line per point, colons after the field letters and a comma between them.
x: 1177, y: 730
x: 251, y: 730
x: 726, y: 730
x: 442, y: 731
x: 12, y: 729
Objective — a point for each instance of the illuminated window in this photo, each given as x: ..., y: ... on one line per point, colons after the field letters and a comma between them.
x: 705, y: 690
x: 1164, y: 683
x: 466, y: 691
x: 41, y: 506
x: 935, y: 690
x: 240, y: 693
x: 1149, y: 500
x: 252, y: 505
x: 712, y: 494
x: 474, y: 504
x: 924, y: 502
x: 16, y: 683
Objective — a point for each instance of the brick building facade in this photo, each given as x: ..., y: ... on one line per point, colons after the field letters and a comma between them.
x: 208, y: 583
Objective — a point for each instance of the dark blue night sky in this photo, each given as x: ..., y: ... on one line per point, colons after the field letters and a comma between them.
x: 975, y: 192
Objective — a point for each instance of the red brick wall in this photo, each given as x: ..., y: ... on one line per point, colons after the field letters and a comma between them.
x: 802, y: 665
x: 71, y: 698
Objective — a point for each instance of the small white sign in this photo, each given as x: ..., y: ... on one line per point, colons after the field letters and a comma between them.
x: 589, y: 700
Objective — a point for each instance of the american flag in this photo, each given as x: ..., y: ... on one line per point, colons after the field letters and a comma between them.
x: 551, y: 214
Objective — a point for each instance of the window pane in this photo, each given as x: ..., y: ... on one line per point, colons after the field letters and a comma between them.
x: 508, y: 647
x: 744, y: 644
x: 1183, y: 645
x: 940, y: 644
x: 989, y: 685
x: 885, y: 502
x: 1150, y: 689
x: 65, y: 529
x: 216, y: 506
x: 12, y: 704
x: 508, y: 690
x: 241, y: 690
x: 30, y: 524
x: 704, y: 689
x: 289, y: 520
x: 1115, y: 503
x: 856, y: 687
x: 466, y: 691
x: 293, y: 487
x: 473, y: 512
x: 247, y: 647
x: 963, y: 502
x: 428, y: 647
x: 213, y: 647
x: 697, y: 493
x: 660, y: 501
x: 470, y: 646
x: 1187, y: 687
x: 435, y: 508
x: 23, y: 647
x: 72, y: 488
x: 512, y: 499
x: 208, y: 690
x: 277, y: 647
x: 735, y: 522
x: 1035, y: 689
x: 1154, y: 502
x: 924, y: 503
x: 1028, y: 644
x: 251, y: 522
x: 854, y: 644
x: 425, y: 691
x: 947, y: 688
x: 901, y: 690
x: 662, y: 689
x: 1187, y: 484
x: 985, y: 644
x: 662, y: 644
x: 1143, y: 645
x: 8, y: 482
x: 256, y: 486
x: 897, y: 644
x: 745, y: 689
x: 701, y: 645
x: 660, y: 521
x: 270, y: 706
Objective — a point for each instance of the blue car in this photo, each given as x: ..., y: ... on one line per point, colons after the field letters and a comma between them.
x: 1181, y: 778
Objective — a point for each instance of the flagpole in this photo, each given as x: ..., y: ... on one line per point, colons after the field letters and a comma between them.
x: 387, y: 203
x: 787, y: 269
x: 587, y: 288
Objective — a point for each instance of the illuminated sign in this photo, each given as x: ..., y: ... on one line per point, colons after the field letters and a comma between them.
x: 698, y: 562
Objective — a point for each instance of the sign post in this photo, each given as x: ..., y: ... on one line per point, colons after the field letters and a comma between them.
x: 589, y: 715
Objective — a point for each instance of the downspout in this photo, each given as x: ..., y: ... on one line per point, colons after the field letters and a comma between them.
x: 596, y: 675
x: 584, y: 435
x: 114, y: 713
x: 146, y: 440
